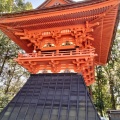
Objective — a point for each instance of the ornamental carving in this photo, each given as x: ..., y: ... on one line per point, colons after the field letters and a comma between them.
x: 79, y: 36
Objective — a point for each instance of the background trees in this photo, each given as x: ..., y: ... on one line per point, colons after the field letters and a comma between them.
x: 106, y: 91
x: 12, y: 76
x: 8, y: 6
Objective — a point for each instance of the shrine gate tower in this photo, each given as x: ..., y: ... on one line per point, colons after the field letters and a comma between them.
x: 63, y: 35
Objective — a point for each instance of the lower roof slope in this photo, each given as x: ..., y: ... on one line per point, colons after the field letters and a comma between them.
x: 52, y: 97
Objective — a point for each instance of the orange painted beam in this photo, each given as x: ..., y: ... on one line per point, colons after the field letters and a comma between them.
x: 81, y: 61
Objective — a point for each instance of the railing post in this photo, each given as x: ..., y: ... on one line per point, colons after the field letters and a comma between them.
x: 39, y: 54
x: 57, y: 52
x: 53, y: 54
x: 70, y: 52
x: 77, y: 51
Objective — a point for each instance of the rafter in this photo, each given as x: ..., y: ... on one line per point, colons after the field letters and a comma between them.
x: 10, y: 28
x: 105, y: 13
x: 60, y: 21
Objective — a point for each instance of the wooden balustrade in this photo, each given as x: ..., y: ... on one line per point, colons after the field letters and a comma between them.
x: 59, y: 54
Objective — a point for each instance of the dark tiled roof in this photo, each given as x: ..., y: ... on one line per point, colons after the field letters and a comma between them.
x: 52, y: 97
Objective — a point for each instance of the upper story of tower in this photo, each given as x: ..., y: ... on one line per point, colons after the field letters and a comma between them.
x: 57, y: 22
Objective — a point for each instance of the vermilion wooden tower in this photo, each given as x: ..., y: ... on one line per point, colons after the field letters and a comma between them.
x: 64, y: 35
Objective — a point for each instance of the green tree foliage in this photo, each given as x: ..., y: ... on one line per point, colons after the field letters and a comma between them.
x: 20, y: 5
x: 12, y: 76
x: 8, y: 6
x: 107, y: 87
x: 112, y: 71
x: 100, y: 92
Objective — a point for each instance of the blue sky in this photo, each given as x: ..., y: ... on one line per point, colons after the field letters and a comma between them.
x: 36, y: 3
